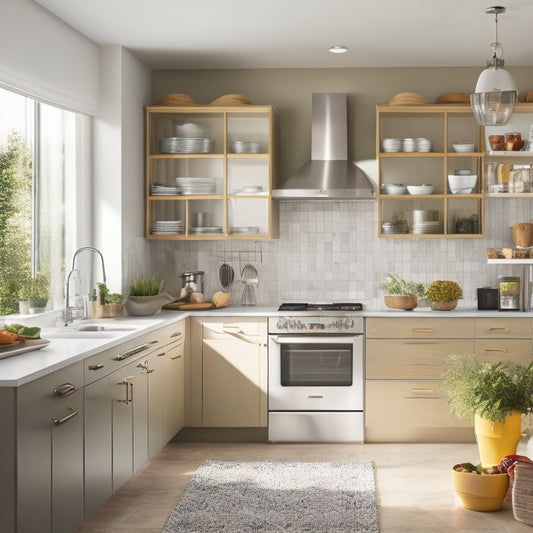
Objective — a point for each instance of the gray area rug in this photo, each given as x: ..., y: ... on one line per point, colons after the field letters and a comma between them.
x: 242, y: 496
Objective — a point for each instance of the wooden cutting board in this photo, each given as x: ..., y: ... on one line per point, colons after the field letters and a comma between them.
x: 191, y: 307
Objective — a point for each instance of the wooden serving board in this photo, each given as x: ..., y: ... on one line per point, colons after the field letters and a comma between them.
x: 192, y: 307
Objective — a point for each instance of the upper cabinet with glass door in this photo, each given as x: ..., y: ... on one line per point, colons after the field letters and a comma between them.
x: 210, y: 172
x: 430, y: 162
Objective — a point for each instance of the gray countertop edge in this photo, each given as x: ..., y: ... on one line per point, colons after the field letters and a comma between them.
x: 24, y: 368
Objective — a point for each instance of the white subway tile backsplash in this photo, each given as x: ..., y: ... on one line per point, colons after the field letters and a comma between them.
x: 329, y: 251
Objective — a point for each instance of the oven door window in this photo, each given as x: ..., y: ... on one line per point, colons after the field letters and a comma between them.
x: 316, y: 365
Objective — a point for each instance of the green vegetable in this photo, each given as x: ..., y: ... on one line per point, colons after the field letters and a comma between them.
x: 31, y: 333
x: 146, y: 286
x: 105, y: 297
x: 13, y: 328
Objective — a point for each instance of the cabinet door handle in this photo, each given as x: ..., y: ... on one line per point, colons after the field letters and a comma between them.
x: 418, y: 343
x: 421, y: 330
x: 59, y: 421
x: 64, y: 390
x: 315, y: 396
x: 174, y: 358
x: 161, y: 354
x: 421, y: 362
x: 96, y: 367
x: 176, y: 334
x: 145, y: 368
x: 498, y: 330
x: 131, y: 391
x: 415, y: 390
x: 496, y: 350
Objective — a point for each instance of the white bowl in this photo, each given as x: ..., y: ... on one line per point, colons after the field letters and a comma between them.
x: 391, y: 188
x: 461, y: 184
x: 420, y: 189
x: 464, y: 172
x: 464, y: 147
x: 392, y: 145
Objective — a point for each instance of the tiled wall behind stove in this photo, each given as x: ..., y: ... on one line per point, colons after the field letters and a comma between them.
x: 329, y: 251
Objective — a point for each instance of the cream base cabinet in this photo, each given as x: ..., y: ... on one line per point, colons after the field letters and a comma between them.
x: 45, y: 455
x: 405, y: 360
x: 232, y: 384
x: 166, y: 386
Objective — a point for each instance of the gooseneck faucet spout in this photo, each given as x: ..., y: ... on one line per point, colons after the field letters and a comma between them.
x: 68, y: 309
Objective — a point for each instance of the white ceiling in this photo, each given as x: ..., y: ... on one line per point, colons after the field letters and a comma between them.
x: 205, y: 34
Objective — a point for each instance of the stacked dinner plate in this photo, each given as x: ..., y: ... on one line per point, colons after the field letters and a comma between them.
x: 392, y: 145
x: 164, y: 190
x: 186, y: 145
x: 243, y: 230
x: 423, y: 145
x: 429, y: 227
x: 163, y: 227
x: 197, y: 186
x: 201, y: 230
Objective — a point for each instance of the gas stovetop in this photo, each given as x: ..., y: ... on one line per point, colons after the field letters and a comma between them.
x: 321, y: 307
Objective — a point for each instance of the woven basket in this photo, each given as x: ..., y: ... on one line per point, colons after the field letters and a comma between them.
x: 176, y: 99
x: 408, y: 99
x: 407, y: 302
x: 522, y: 493
x: 231, y: 100
x: 522, y: 234
x: 453, y: 98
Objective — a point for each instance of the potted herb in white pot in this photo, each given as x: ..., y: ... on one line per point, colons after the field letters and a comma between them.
x: 401, y: 294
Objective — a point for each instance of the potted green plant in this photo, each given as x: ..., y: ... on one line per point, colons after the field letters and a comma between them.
x: 401, y: 294
x: 37, y: 293
x: 108, y: 305
x: 443, y: 295
x: 146, y: 296
x: 495, y: 396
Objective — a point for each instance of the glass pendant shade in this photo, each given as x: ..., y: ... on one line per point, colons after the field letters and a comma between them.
x: 493, y: 108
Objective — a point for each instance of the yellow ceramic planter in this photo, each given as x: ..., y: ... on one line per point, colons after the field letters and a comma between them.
x: 485, y: 492
x: 496, y: 439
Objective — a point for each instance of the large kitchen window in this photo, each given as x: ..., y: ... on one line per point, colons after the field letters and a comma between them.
x: 43, y: 176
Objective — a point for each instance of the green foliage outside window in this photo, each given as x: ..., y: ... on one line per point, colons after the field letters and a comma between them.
x: 15, y: 222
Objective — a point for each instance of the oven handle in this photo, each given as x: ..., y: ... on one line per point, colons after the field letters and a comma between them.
x: 308, y: 339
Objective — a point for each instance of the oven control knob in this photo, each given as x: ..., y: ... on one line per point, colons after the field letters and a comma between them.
x: 283, y: 323
x: 349, y: 323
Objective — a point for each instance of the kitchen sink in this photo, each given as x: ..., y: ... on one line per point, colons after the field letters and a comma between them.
x: 97, y: 327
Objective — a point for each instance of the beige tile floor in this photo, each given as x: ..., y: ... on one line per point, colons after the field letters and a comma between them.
x: 413, y: 485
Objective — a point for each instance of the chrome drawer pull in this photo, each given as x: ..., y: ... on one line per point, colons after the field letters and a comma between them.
x: 96, y: 367
x: 422, y: 330
x: 64, y: 390
x: 59, y: 421
x: 144, y: 367
x: 133, y: 351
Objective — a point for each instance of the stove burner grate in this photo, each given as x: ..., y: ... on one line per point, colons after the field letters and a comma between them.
x: 351, y: 306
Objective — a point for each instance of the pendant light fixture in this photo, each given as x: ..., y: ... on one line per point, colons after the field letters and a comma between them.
x: 495, y: 95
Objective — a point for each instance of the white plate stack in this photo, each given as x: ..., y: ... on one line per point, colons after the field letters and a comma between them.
x: 186, y: 145
x: 392, y: 145
x: 243, y: 230
x: 164, y: 190
x: 408, y: 145
x: 202, y: 230
x: 197, y: 186
x: 423, y: 145
x: 165, y: 227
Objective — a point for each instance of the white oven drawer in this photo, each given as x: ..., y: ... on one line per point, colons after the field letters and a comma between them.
x: 316, y: 427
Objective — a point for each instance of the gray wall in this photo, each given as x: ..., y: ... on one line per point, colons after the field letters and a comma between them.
x: 329, y: 250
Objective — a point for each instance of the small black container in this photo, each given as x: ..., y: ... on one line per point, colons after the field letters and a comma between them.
x: 487, y: 299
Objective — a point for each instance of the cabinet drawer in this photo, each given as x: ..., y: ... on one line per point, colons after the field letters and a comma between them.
x: 411, y: 359
x: 518, y: 328
x: 404, y: 404
x: 173, y: 333
x: 252, y: 329
x: 101, y: 364
x: 514, y: 350
x: 420, y: 328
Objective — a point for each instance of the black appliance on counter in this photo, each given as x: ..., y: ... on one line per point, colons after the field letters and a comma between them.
x: 487, y: 299
x: 321, y: 307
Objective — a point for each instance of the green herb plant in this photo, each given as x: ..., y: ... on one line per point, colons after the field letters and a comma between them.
x: 493, y: 390
x: 444, y: 291
x: 396, y: 286
x: 141, y: 286
x: 105, y: 297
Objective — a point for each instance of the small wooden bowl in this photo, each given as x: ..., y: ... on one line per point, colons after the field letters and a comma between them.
x: 231, y: 100
x: 176, y: 99
x: 407, y: 98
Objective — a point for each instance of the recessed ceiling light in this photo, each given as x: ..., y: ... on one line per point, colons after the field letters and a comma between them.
x: 338, y: 49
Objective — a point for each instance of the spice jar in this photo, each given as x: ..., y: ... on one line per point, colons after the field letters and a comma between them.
x: 509, y: 293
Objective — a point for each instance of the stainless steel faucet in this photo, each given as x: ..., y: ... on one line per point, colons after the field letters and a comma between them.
x: 68, y: 309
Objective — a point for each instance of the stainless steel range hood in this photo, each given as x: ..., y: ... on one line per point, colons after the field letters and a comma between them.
x: 329, y: 175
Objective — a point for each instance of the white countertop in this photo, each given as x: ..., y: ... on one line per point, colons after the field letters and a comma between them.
x: 61, y: 352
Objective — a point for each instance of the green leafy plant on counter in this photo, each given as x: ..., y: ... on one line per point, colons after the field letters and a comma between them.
x: 480, y: 388
x: 144, y: 286
x: 396, y: 286
x: 105, y: 297
x: 444, y: 291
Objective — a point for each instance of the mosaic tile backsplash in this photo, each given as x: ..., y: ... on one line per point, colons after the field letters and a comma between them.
x: 329, y: 251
